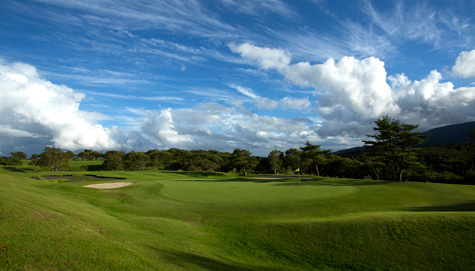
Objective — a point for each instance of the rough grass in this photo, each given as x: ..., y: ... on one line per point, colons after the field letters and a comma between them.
x: 204, y: 221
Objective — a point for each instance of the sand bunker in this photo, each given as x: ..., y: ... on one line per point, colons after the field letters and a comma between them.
x: 108, y: 185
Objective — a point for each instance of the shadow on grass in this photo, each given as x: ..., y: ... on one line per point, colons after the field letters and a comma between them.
x: 95, y: 168
x: 254, y: 179
x: 322, y: 181
x: 14, y: 169
x: 279, y: 180
x: 82, y: 178
x: 185, y: 259
x: 460, y: 207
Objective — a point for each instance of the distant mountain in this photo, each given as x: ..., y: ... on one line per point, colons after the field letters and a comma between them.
x: 350, y: 151
x: 450, y: 134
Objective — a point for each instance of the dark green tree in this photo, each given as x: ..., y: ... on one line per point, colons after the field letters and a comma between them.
x: 4, y: 161
x: 242, y: 160
x: 15, y: 158
x: 71, y: 154
x: 86, y: 155
x: 159, y: 159
x: 292, y: 159
x: 136, y: 160
x: 54, y: 159
x: 205, y: 160
x: 181, y: 159
x: 337, y: 166
x: 217, y: 159
x: 374, y: 165
x: 394, y: 145
x: 96, y: 155
x: 274, y: 160
x: 35, y: 160
x: 313, y: 155
x: 18, y: 155
x: 114, y: 160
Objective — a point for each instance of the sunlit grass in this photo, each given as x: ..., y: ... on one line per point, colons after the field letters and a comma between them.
x: 203, y: 221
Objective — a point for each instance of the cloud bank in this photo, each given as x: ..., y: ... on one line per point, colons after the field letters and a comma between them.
x: 350, y: 94
x: 359, y: 91
x: 34, y: 108
x: 36, y: 113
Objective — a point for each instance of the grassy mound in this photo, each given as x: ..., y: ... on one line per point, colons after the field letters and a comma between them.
x: 203, y: 221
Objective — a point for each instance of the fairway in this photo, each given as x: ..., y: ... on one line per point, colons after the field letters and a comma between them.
x: 200, y: 221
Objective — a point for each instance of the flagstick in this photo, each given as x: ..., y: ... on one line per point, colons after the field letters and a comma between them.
x: 298, y: 170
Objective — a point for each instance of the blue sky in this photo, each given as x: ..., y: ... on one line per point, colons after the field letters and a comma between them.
x: 226, y: 74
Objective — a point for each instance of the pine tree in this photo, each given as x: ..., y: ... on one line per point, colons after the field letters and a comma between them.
x: 394, y: 145
x: 314, y: 154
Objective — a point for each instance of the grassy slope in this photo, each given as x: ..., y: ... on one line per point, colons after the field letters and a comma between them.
x: 189, y: 221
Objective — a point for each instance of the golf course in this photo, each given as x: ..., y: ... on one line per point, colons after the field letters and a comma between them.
x: 178, y: 220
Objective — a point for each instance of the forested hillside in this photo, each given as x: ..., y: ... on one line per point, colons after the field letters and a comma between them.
x: 451, y: 134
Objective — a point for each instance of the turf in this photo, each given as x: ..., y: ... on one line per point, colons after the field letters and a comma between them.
x: 200, y: 221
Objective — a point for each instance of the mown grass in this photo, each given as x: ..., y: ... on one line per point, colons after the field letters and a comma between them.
x: 201, y: 221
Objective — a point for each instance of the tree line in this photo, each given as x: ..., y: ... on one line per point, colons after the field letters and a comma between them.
x: 392, y: 153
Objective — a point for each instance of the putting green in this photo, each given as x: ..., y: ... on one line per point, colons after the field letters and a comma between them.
x: 250, y: 193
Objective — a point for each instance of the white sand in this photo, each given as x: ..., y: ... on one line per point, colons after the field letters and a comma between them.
x: 108, y: 185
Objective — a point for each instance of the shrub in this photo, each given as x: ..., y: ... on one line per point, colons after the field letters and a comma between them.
x: 444, y: 177
x: 470, y: 177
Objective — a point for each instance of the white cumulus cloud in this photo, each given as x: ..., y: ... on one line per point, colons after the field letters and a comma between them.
x: 161, y: 128
x: 465, y: 65
x: 216, y: 127
x: 354, y: 92
x: 267, y: 58
x: 36, y: 108
x: 430, y: 102
x: 349, y: 87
